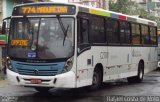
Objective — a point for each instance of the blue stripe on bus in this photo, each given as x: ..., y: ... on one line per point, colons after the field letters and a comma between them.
x: 114, y: 15
x: 44, y: 69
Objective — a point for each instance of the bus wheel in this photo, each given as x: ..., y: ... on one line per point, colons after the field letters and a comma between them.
x: 139, y: 77
x: 97, y: 79
x: 42, y: 89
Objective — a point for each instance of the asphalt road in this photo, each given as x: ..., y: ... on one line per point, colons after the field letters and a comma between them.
x: 119, y: 90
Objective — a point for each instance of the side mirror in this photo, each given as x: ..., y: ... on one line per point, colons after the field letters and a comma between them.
x: 4, y: 35
x: 4, y: 27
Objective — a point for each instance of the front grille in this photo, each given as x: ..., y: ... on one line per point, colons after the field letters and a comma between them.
x: 37, y: 72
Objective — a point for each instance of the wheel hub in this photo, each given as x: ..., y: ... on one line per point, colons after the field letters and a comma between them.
x: 95, y: 79
x: 140, y: 74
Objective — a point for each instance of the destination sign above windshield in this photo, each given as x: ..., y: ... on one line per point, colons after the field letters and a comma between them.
x: 44, y: 10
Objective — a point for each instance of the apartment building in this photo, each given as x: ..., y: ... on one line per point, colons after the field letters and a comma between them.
x: 93, y: 3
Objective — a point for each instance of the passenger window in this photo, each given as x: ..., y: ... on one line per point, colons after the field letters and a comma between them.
x: 136, y: 38
x: 145, y: 34
x: 125, y: 33
x: 97, y: 30
x: 112, y: 33
x: 153, y: 35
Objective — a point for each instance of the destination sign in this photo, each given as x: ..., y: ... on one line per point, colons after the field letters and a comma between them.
x: 44, y: 10
x: 19, y: 43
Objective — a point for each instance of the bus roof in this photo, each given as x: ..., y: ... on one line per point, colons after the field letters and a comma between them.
x: 101, y: 12
x: 116, y: 15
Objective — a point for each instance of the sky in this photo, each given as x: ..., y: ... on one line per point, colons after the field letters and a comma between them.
x: 60, y: 0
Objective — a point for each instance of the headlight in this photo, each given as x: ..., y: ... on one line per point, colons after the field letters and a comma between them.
x: 68, y: 65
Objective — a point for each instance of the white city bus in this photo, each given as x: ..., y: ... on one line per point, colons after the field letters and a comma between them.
x: 70, y: 46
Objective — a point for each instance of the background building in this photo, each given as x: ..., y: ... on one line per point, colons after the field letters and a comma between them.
x: 93, y: 3
x: 6, y: 7
x: 152, y: 7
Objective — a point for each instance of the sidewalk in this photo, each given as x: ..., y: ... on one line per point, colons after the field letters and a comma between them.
x: 3, y: 82
x: 1, y: 74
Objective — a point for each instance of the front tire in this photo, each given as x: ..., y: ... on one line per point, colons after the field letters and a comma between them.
x: 139, y: 77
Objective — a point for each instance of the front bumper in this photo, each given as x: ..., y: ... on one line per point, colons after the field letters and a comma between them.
x: 65, y: 80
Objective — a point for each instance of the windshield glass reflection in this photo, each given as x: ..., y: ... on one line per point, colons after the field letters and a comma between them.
x: 41, y: 38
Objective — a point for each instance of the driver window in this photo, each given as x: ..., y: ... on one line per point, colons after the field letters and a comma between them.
x: 83, y: 34
x: 83, y: 38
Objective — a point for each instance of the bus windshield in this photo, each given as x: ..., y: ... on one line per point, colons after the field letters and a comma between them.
x: 41, y: 38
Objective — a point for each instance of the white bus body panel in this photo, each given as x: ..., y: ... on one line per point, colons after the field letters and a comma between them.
x: 119, y: 59
x: 154, y: 57
x: 118, y: 62
x: 84, y: 69
x: 66, y: 80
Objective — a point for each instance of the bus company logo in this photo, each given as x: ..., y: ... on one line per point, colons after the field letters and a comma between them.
x: 36, y: 72
x: 136, y: 53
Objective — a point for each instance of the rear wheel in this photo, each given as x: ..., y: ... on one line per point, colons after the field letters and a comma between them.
x: 97, y: 79
x: 139, y: 77
x: 42, y: 89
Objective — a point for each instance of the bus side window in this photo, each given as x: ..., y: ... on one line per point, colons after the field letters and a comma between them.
x: 112, y: 31
x: 153, y: 34
x: 83, y: 34
x: 145, y: 34
x: 125, y: 33
x: 136, y: 39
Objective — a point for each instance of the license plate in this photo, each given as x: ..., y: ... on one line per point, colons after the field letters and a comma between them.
x: 36, y: 81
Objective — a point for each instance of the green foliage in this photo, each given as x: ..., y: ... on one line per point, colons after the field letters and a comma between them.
x: 130, y: 8
x: 127, y: 7
x: 120, y: 6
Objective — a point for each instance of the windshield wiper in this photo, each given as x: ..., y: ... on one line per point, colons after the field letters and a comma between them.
x: 63, y: 28
x: 65, y: 34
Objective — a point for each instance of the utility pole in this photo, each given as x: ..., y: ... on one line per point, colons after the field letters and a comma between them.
x: 106, y: 4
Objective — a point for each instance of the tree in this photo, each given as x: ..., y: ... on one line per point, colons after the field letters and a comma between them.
x: 130, y: 8
x: 119, y: 6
